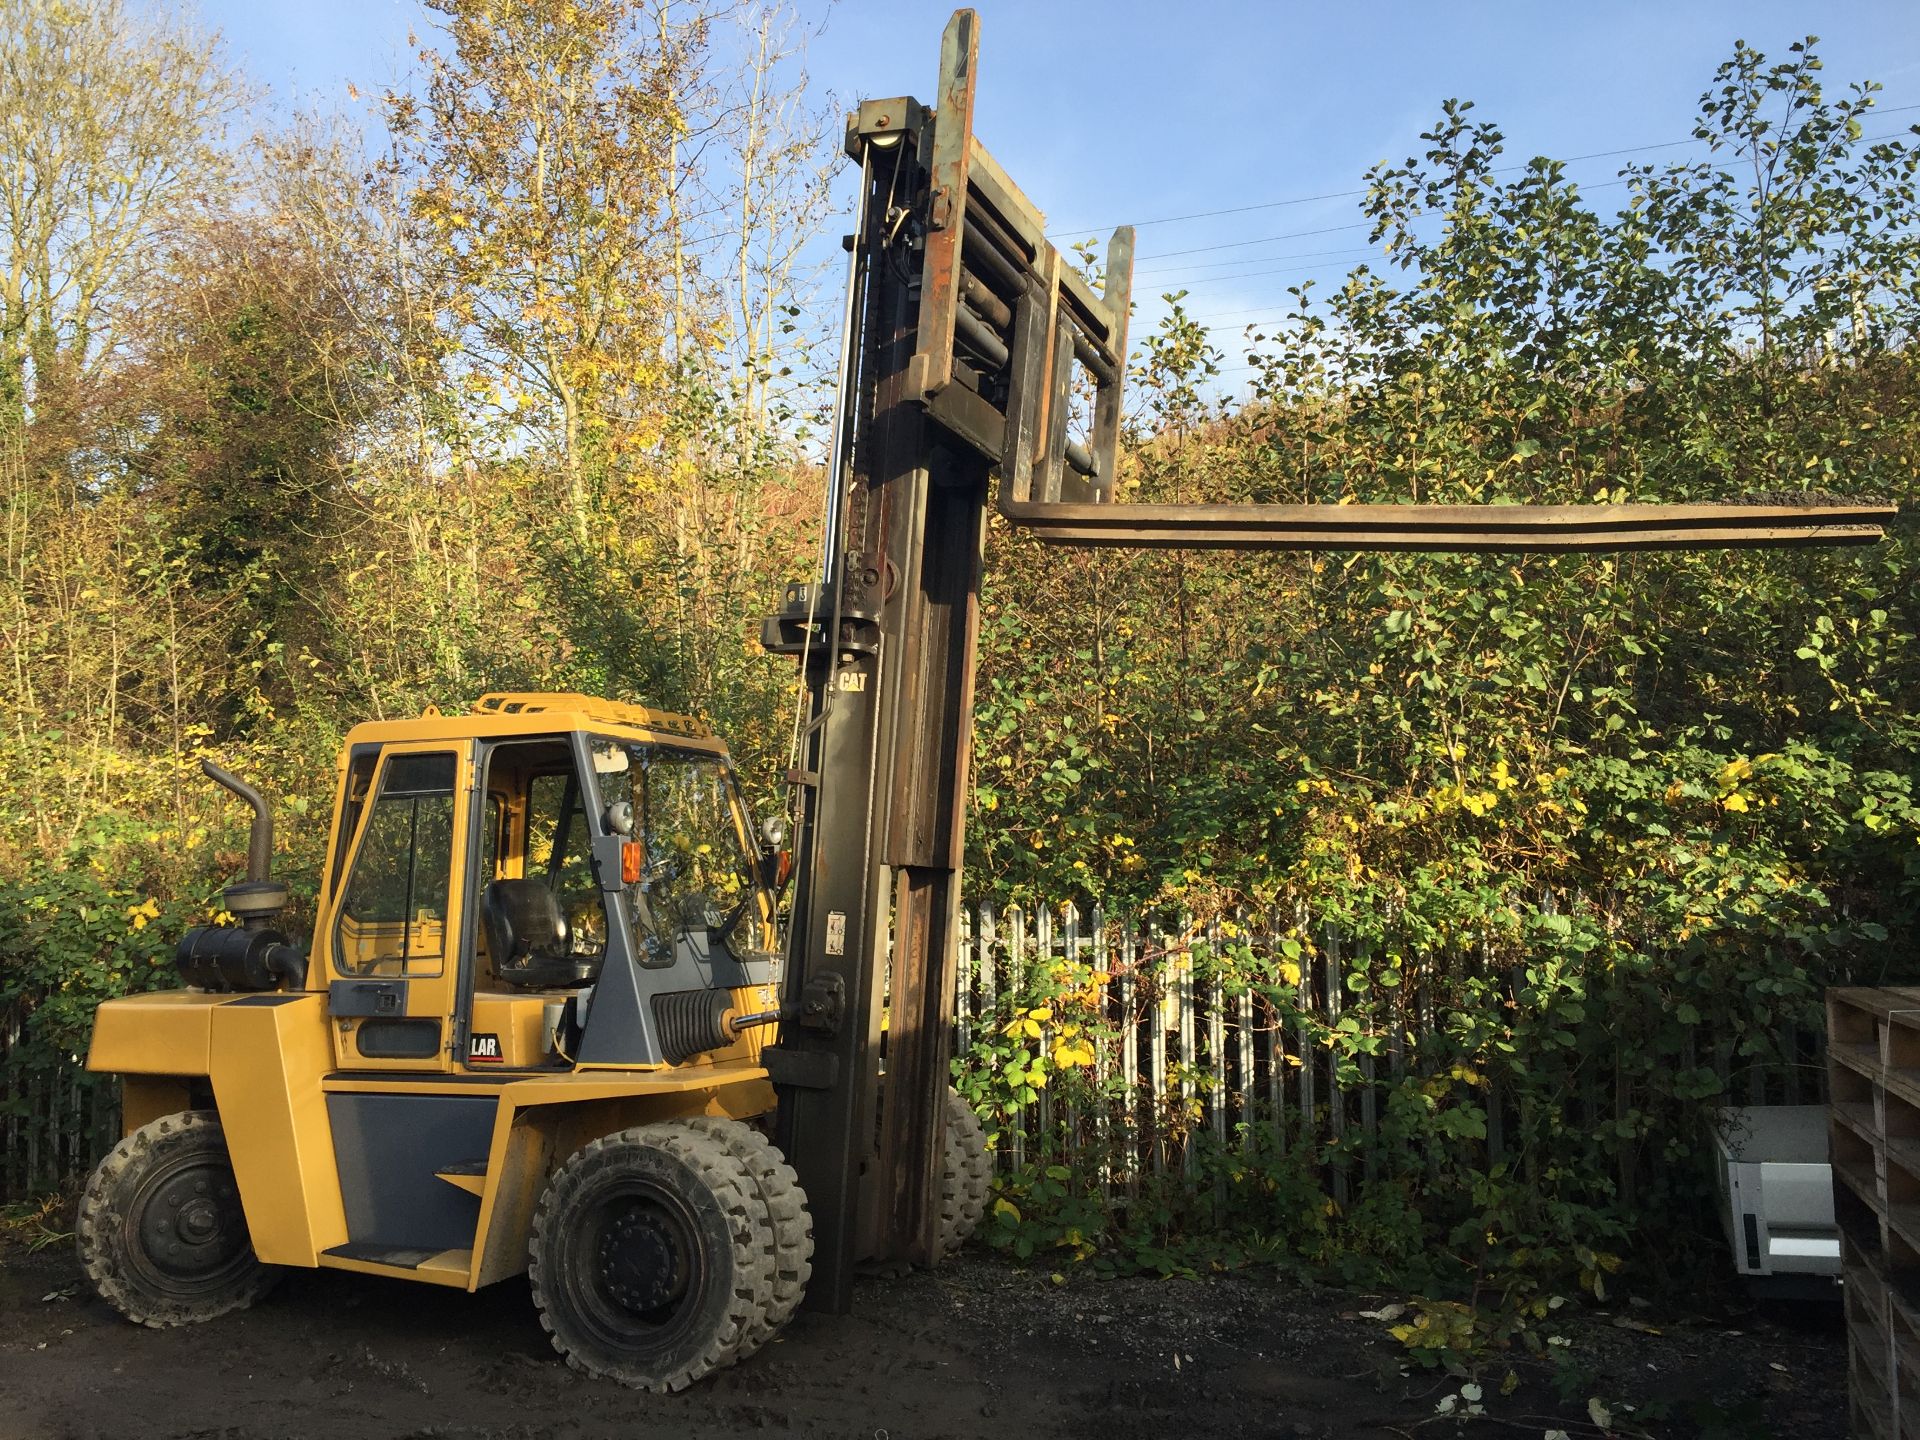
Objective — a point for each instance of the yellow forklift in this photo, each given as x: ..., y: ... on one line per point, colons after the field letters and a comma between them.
x: 527, y: 1038
x: 543, y: 1024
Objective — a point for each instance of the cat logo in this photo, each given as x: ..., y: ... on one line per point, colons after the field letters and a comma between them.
x: 483, y: 1050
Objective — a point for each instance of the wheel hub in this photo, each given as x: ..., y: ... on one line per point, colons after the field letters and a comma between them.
x: 192, y: 1223
x: 640, y: 1260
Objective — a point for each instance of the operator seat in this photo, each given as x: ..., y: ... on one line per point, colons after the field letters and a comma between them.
x: 528, y: 938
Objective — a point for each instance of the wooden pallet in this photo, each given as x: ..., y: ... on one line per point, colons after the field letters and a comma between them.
x: 1876, y: 1030
x: 1873, y: 1079
x: 1883, y: 1347
x: 1873, y: 1073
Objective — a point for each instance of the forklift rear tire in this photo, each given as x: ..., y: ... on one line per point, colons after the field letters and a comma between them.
x: 786, y: 1207
x: 963, y: 1177
x: 161, y: 1232
x: 652, y: 1257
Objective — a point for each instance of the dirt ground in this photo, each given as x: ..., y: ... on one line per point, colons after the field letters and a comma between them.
x: 976, y: 1350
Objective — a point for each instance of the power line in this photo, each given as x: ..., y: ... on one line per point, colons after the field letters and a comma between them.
x: 1262, y: 240
x: 1189, y: 283
x: 1210, y: 214
x: 1251, y: 259
x: 1349, y: 194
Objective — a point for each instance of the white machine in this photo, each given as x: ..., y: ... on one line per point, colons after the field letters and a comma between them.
x: 1776, y: 1197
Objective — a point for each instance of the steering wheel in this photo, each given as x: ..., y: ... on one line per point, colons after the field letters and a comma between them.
x: 587, y: 920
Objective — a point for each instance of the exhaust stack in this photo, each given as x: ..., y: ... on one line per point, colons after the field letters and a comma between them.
x: 255, y: 956
x: 258, y: 898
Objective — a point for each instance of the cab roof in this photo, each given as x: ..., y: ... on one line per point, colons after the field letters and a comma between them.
x: 543, y: 712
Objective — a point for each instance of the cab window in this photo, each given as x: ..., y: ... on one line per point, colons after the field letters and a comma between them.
x: 695, y: 870
x: 560, y: 852
x: 393, y: 914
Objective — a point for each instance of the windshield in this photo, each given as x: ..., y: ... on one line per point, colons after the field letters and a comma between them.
x: 695, y: 871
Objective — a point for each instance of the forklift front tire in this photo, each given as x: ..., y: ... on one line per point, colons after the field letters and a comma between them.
x: 652, y: 1257
x: 161, y: 1232
x: 792, y: 1231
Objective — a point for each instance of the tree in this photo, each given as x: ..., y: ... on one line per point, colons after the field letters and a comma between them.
x: 783, y: 164
x: 111, y: 123
x: 538, y: 161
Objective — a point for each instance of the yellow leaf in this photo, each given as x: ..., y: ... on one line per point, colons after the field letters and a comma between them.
x: 1006, y: 1207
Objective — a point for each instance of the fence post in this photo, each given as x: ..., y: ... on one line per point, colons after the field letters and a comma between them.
x: 1306, y: 996
x: 1496, y: 1092
x: 1788, y: 1041
x: 1101, y: 1121
x: 1243, y: 1022
x: 36, y: 1095
x: 984, y: 950
x: 1189, y: 1039
x: 1276, y: 1051
x: 1166, y: 1003
x: 1070, y: 946
x: 1336, y: 1095
x: 1216, y: 1039
x: 1042, y: 962
x: 1369, y: 1099
x: 1016, y: 984
x: 1130, y: 1021
x: 963, y: 972
x: 1016, y: 950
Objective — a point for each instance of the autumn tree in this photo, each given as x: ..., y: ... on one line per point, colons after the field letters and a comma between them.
x: 782, y: 163
x: 537, y: 150
x: 111, y: 123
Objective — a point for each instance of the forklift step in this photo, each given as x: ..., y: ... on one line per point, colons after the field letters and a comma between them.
x: 442, y: 1267
x: 400, y: 1257
x: 469, y: 1175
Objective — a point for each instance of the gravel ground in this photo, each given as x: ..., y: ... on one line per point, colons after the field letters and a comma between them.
x: 977, y: 1349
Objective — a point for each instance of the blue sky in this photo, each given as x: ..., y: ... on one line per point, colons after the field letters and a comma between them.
x: 1136, y: 111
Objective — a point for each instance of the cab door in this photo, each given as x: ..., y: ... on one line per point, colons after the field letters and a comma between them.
x: 388, y: 942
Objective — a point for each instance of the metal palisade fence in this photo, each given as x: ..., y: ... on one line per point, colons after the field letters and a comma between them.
x: 56, y: 1119
x: 1233, y: 1029
x: 1238, y: 1031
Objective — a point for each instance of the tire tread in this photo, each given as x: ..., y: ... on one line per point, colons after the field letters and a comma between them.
x: 791, y: 1221
x: 749, y: 1226
x: 99, y: 1223
x: 965, y: 1176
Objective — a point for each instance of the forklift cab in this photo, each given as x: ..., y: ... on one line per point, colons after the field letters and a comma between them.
x: 483, y: 887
